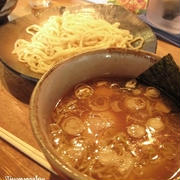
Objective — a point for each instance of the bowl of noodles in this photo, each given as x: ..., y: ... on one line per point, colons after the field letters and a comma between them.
x: 94, y: 120
x: 56, y: 34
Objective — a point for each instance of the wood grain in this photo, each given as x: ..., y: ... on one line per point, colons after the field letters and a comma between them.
x: 163, y: 48
x: 14, y: 110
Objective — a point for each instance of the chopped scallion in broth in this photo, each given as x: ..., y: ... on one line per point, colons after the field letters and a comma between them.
x: 111, y: 129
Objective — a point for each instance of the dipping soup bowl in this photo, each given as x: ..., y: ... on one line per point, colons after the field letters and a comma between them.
x: 64, y: 76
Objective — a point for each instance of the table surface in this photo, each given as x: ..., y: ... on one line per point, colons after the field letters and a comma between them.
x: 14, y: 109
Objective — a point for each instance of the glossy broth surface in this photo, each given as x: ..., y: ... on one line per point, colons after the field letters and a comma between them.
x: 111, y: 129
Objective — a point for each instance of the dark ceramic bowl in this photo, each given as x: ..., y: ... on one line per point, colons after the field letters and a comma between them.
x: 111, y: 13
x: 6, y: 7
x: 61, y: 78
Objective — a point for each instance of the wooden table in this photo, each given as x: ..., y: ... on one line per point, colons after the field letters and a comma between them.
x: 14, y: 109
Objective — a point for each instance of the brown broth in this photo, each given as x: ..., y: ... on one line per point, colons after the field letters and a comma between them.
x: 111, y: 129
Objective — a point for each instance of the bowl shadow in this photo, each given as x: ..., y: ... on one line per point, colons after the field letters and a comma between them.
x: 18, y: 86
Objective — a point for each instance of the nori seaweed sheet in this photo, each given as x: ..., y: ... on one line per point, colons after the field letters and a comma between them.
x: 165, y: 76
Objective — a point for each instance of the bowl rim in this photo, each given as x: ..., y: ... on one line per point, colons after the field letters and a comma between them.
x: 70, y: 171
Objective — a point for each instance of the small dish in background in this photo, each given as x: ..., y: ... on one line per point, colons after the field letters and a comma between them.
x: 39, y: 4
x: 6, y: 7
x: 154, y: 15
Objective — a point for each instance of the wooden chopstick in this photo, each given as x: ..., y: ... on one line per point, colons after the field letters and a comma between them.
x: 27, y: 149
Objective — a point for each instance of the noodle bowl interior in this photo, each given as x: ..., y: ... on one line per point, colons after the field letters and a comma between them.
x: 62, y: 37
x: 113, y: 129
